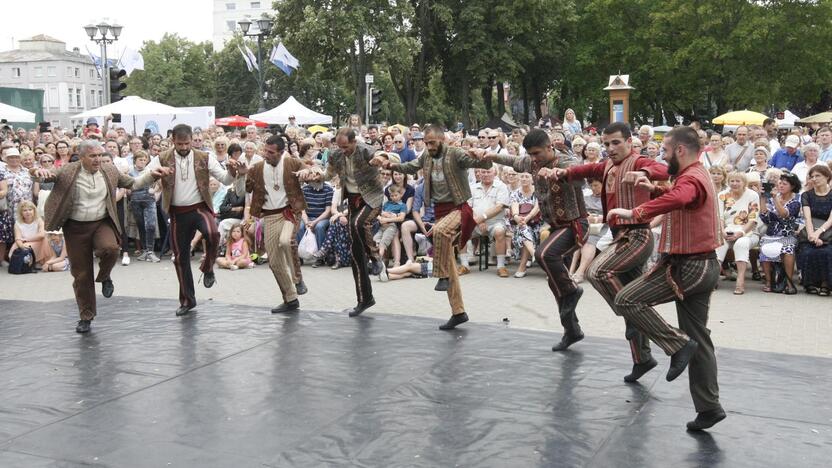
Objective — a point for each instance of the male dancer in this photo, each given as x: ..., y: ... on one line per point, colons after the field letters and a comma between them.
x: 562, y: 205
x: 686, y: 273
x: 186, y: 198
x: 445, y: 172
x: 83, y: 204
x: 364, y: 194
x: 276, y: 197
x: 620, y: 264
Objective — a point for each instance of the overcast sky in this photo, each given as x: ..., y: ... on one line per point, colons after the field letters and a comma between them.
x: 142, y: 20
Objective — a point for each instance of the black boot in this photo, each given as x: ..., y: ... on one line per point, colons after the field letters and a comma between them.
x: 680, y: 359
x: 639, y: 370
x: 457, y: 319
x: 107, y: 288
x: 360, y: 308
x: 184, y: 310
x: 567, y: 341
x: 441, y: 285
x: 287, y: 307
x: 301, y: 288
x: 83, y: 326
x: 706, y: 419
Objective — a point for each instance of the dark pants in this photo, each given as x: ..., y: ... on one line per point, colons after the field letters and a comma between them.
x: 164, y: 229
x: 549, y: 255
x: 618, y: 266
x: 696, y: 279
x: 184, y: 223
x: 361, y: 216
x: 83, y: 239
x: 144, y: 212
x: 122, y: 220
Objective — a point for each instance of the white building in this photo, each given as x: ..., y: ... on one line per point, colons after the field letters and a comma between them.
x: 228, y: 12
x: 69, y: 79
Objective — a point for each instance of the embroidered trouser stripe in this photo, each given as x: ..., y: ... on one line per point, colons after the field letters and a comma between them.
x: 549, y: 256
x: 616, y: 267
x: 698, y: 278
x: 297, y: 276
x: 359, y: 217
x: 445, y: 232
x: 279, y: 234
x: 183, y: 227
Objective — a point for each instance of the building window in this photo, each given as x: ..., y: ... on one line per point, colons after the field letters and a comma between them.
x: 38, y: 72
x: 71, y: 97
x: 16, y: 72
x: 77, y: 73
x: 231, y: 24
x: 50, y: 71
x: 92, y: 73
x: 230, y: 6
x: 92, y: 98
x: 53, y: 98
x: 100, y: 98
x: 78, y: 98
x: 255, y: 5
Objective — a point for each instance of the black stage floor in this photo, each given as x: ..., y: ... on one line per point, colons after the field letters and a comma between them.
x: 234, y: 386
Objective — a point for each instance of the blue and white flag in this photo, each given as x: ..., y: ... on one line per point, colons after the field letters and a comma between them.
x: 245, y: 59
x: 283, y: 60
x: 252, y: 58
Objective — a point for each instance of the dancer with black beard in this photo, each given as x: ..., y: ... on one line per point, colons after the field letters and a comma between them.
x: 686, y: 273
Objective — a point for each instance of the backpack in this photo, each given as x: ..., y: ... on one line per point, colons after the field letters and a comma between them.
x: 22, y: 261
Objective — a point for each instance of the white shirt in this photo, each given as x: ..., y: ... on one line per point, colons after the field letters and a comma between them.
x: 185, y: 191
x: 483, y: 200
x: 90, y: 202
x: 773, y: 145
x: 498, y: 150
x: 801, y: 170
x: 275, y: 199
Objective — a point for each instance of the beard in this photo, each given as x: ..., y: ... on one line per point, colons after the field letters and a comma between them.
x: 673, y: 166
x: 183, y: 153
x: 437, y: 152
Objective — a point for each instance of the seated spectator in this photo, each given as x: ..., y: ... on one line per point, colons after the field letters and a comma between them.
x: 315, y: 218
x: 400, y: 147
x: 237, y: 253
x: 420, y: 224
x: 592, y: 153
x: 420, y: 269
x: 393, y: 211
x: 719, y: 176
x: 760, y: 167
x: 336, y: 247
x: 489, y: 199
x: 597, y: 229
x: 738, y: 208
x: 811, y: 152
x: 231, y: 213
x: 814, y: 258
x: 779, y: 210
x: 789, y: 155
x: 59, y: 260
x: 29, y: 232
x: 525, y: 218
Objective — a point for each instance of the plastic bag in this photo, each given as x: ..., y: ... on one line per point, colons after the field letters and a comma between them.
x: 308, y: 245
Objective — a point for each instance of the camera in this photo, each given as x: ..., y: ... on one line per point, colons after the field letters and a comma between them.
x: 768, y: 187
x: 116, y: 118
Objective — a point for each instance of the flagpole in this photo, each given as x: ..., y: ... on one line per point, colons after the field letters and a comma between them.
x: 262, y: 107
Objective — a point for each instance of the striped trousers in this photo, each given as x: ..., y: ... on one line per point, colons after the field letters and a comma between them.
x: 184, y: 223
x: 278, y: 233
x: 549, y: 255
x: 696, y: 279
x: 618, y: 266
x: 362, y: 247
x: 445, y: 233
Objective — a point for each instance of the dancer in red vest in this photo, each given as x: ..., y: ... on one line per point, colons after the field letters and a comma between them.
x: 686, y: 272
x: 632, y: 243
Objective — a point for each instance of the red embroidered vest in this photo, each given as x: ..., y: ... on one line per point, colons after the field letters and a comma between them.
x: 693, y: 230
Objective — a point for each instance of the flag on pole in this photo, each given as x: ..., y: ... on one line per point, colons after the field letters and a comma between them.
x: 131, y: 60
x: 282, y: 59
x: 252, y: 58
x: 245, y: 59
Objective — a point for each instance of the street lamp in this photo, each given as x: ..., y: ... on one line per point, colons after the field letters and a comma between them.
x: 264, y: 27
x: 109, y: 34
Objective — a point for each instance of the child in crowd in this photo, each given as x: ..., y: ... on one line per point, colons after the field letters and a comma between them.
x: 393, y: 211
x: 143, y: 207
x: 419, y: 269
x: 59, y: 261
x: 237, y: 253
x: 29, y: 232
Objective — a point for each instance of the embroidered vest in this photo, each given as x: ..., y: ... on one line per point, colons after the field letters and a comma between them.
x: 693, y: 230
x: 627, y: 196
x: 168, y: 159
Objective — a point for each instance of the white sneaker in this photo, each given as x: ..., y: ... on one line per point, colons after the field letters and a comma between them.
x: 382, y: 275
x: 141, y: 257
x: 233, y: 267
x: 520, y: 274
x: 151, y: 257
x: 251, y: 265
x: 125, y: 259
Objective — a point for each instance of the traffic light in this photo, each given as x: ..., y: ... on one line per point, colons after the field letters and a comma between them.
x: 375, y: 107
x: 116, y: 86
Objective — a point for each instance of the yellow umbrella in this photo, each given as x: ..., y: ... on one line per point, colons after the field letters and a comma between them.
x: 743, y: 117
x: 823, y: 117
x: 317, y: 128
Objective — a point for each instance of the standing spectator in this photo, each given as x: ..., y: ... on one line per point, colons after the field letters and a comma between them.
x: 738, y: 208
x: 814, y: 258
x: 716, y: 155
x: 399, y: 147
x: 645, y: 135
x: 6, y: 220
x: 741, y: 151
x: 811, y: 152
x: 719, y: 177
x: 825, y: 141
x: 20, y: 184
x: 525, y: 217
x: 318, y: 197
x: 779, y: 211
x: 770, y: 127
x: 571, y: 124
x: 143, y: 207
x: 787, y: 157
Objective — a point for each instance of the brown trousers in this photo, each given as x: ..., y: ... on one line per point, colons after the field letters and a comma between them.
x: 445, y: 233
x: 83, y: 239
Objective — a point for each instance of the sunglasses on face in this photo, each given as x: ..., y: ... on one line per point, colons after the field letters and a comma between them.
x: 38, y: 153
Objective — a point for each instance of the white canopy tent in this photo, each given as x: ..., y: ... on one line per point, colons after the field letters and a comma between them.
x: 291, y: 107
x: 788, y: 120
x: 132, y: 106
x: 15, y: 114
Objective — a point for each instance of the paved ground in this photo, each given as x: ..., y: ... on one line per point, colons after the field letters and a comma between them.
x: 800, y: 324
